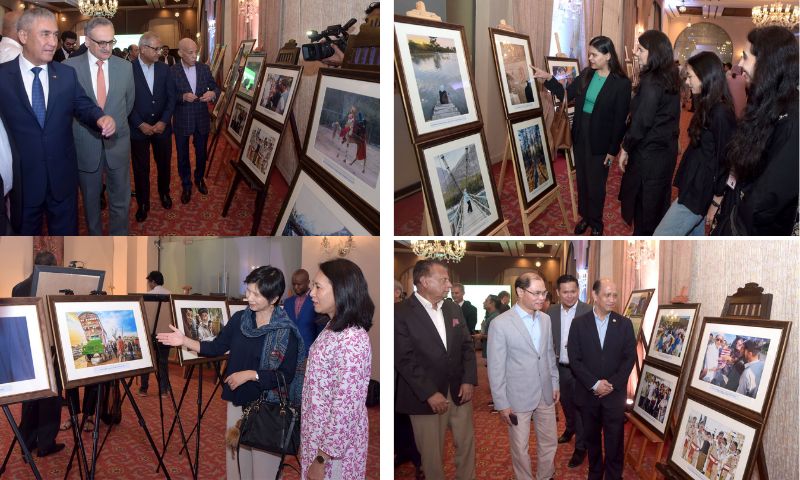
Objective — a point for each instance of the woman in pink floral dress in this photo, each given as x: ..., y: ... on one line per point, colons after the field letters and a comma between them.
x: 334, y: 429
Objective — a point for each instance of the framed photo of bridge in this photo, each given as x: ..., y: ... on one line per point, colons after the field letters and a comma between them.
x: 535, y: 174
x: 343, y: 135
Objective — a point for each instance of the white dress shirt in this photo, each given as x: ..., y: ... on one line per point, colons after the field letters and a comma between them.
x: 9, y: 49
x: 533, y: 325
x: 6, y: 171
x: 567, y: 315
x: 93, y: 70
x: 160, y: 290
x: 27, y: 79
x: 436, y: 316
x: 191, y: 75
x: 149, y: 74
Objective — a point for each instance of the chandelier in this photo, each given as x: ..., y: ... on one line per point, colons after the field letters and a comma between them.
x: 640, y: 251
x: 342, y: 249
x: 248, y: 9
x: 444, y: 250
x: 776, y: 14
x: 98, y: 8
x: 571, y: 8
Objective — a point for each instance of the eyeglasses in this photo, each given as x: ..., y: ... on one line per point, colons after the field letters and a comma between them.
x: 157, y: 49
x: 537, y: 294
x: 103, y: 44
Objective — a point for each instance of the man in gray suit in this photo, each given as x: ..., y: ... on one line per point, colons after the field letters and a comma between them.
x: 108, y: 80
x: 524, y: 378
x: 562, y: 315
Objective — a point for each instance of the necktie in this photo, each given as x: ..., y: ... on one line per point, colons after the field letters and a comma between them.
x: 298, y: 304
x: 101, y: 85
x: 37, y: 97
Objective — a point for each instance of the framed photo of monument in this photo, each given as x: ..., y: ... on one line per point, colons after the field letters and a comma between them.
x: 655, y: 396
x: 100, y: 338
x: 432, y: 63
x: 199, y: 317
x: 512, y: 60
x: 26, y: 364
x: 672, y: 332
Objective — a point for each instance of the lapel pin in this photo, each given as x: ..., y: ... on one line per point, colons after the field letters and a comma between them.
x: 613, y: 320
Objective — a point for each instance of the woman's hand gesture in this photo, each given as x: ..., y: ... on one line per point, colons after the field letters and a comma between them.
x: 541, y: 74
x: 173, y: 338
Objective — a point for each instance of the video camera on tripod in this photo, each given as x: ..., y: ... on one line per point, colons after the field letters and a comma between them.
x: 334, y: 34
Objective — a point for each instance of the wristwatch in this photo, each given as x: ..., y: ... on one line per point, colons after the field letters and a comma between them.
x: 256, y: 376
x: 320, y: 459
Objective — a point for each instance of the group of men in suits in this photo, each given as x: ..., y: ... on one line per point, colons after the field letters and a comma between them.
x: 80, y: 122
x: 577, y: 354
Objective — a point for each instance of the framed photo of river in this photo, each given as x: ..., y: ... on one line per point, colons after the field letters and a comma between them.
x: 435, y: 77
x: 532, y: 159
x: 512, y: 59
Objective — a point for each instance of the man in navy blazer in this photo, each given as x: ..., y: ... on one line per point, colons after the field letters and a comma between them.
x: 602, y: 352
x: 150, y: 123
x: 301, y: 310
x: 195, y: 87
x: 42, y: 97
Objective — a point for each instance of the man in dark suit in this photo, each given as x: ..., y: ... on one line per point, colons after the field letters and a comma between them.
x: 436, y: 371
x: 468, y: 309
x: 166, y: 57
x: 69, y: 40
x: 300, y: 309
x: 602, y: 352
x: 195, y: 88
x: 39, y: 422
x: 150, y: 123
x: 42, y: 97
x: 562, y: 316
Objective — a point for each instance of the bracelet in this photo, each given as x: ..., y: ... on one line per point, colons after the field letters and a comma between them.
x: 714, y: 202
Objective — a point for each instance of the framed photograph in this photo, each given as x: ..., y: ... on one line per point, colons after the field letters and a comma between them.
x: 570, y: 156
x: 100, y: 338
x: 731, y: 444
x: 52, y: 280
x: 311, y: 211
x: 278, y: 87
x: 216, y: 59
x: 532, y: 159
x: 458, y: 185
x: 655, y: 395
x: 250, y: 75
x: 247, y: 48
x: 200, y: 318
x: 220, y: 102
x: 238, y: 120
x: 26, y: 364
x: 672, y: 332
x: 566, y: 70
x: 343, y: 135
x: 236, y: 306
x: 512, y: 59
x: 435, y: 77
x: 737, y: 362
x: 259, y: 149
x: 637, y: 307
x: 233, y: 71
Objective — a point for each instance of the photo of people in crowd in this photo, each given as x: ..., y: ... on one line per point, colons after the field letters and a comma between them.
x: 103, y: 337
x: 201, y: 324
x: 654, y: 394
x: 670, y: 336
x: 734, y: 362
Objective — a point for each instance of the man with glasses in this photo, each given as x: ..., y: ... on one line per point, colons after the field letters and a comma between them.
x: 109, y: 80
x: 10, y: 47
x: 602, y: 352
x: 42, y: 97
x: 150, y: 123
x: 69, y: 40
x: 436, y: 371
x: 524, y: 378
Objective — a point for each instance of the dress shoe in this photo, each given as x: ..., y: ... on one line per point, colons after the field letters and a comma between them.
x: 166, y: 201
x: 141, y: 213
x: 57, y: 447
x: 581, y: 227
x: 201, y: 187
x: 577, y: 458
x: 597, y: 232
x: 566, y: 437
x: 186, y: 195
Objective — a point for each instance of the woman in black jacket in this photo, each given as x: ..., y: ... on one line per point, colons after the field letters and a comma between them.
x: 763, y: 154
x: 650, y: 147
x: 703, y: 169
x: 602, y: 95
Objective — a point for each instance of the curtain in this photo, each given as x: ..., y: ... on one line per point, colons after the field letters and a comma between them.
x: 535, y: 18
x: 54, y: 245
x: 675, y: 272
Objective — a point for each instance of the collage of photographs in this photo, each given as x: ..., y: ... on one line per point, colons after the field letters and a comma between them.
x: 199, y: 242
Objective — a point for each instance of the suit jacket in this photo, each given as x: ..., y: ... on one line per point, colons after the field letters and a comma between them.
x: 152, y: 107
x: 60, y: 56
x: 192, y: 115
x: 11, y: 224
x: 555, y: 318
x: 590, y: 363
x: 521, y: 376
x: 50, y: 159
x: 306, y: 321
x: 119, y: 103
x: 470, y: 315
x: 423, y: 365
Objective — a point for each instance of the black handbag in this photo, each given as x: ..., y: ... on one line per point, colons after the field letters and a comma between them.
x: 271, y: 427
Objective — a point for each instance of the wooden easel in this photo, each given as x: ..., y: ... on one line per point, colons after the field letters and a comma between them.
x: 648, y: 437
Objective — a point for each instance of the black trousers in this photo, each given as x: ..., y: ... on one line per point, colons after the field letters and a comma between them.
x: 572, y: 416
x: 591, y: 176
x: 89, y: 399
x: 610, y: 420
x: 140, y: 154
x: 163, y: 369
x: 40, y: 421
x: 405, y: 448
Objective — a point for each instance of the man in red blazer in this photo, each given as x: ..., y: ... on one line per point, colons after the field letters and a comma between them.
x: 436, y: 371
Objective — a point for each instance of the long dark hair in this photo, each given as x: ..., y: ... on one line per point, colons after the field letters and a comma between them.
x: 708, y: 68
x: 354, y: 307
x: 772, y: 93
x: 604, y: 45
x: 660, y: 64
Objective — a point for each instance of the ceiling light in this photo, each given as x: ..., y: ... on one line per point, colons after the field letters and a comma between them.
x: 776, y: 14
x: 538, y: 264
x: 98, y: 8
x: 444, y: 250
x: 682, y: 8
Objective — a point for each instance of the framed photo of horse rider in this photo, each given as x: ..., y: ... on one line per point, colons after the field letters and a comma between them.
x: 343, y: 134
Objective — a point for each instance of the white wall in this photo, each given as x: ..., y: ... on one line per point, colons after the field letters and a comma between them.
x: 736, y: 27
x: 16, y: 256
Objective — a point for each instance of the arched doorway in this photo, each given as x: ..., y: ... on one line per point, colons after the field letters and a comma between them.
x: 704, y: 37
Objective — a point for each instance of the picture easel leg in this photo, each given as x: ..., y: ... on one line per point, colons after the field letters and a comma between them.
x: 217, y: 384
x: 18, y: 437
x: 237, y: 178
x: 78, y: 447
x: 261, y: 199
x: 145, y: 429
x: 8, y: 455
x: 96, y: 430
x: 199, y: 417
x: 177, y: 418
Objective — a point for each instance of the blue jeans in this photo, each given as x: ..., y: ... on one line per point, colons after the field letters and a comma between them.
x: 679, y: 220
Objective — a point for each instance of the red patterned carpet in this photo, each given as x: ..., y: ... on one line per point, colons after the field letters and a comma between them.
x: 203, y: 214
x: 492, y: 454
x: 408, y: 211
x: 127, y: 454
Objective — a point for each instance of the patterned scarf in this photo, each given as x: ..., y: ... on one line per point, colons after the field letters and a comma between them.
x: 276, y: 340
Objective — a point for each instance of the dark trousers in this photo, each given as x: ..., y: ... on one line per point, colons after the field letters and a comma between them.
x: 89, y: 399
x: 163, y: 369
x: 40, y: 421
x: 140, y: 154
x: 606, y: 422
x: 572, y: 416
x: 200, y: 154
x: 591, y: 176
x: 405, y: 448
x: 62, y: 216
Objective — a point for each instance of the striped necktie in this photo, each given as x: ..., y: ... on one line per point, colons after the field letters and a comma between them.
x: 37, y: 97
